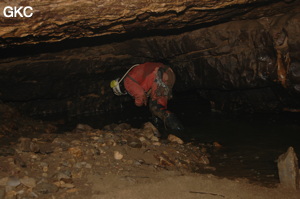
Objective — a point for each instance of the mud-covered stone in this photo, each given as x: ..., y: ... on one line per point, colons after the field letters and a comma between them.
x: 82, y: 128
x: 3, y: 181
x: 149, y: 130
x: 19, y: 161
x: 46, y: 148
x: 134, y: 142
x: 204, y: 160
x: 34, y: 147
x: 62, y: 184
x: 121, y: 127
x: 62, y: 176
x: 28, y: 182
x: 13, y: 181
x: 61, y: 143
x: 24, y: 144
x: 11, y: 195
x: 110, y: 142
x: 76, y: 151
x: 46, y: 188
x: 164, y: 160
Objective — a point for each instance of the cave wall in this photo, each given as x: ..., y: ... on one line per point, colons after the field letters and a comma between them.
x: 234, y: 65
x: 55, y: 21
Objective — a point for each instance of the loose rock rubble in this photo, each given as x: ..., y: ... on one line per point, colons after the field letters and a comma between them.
x: 57, y: 165
x: 14, y: 125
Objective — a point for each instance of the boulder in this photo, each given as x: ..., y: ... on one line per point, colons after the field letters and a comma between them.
x: 288, y: 169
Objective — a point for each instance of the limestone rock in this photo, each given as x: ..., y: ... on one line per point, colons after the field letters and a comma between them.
x: 154, y: 139
x: 164, y: 160
x: 150, y: 130
x: 156, y: 143
x: 118, y: 155
x: 121, y: 127
x: 134, y: 142
x: 19, y: 161
x: 110, y: 142
x: 82, y: 128
x: 11, y: 195
x: 28, y: 182
x: 217, y: 145
x: 13, y: 181
x: 45, y: 188
x: 204, y: 160
x: 61, y: 142
x: 24, y: 144
x: 173, y: 138
x: 46, y: 148
x: 66, y: 185
x: 66, y: 19
x: 62, y: 176
x: 3, y: 181
x: 288, y: 169
x: 75, y: 151
x: 34, y: 147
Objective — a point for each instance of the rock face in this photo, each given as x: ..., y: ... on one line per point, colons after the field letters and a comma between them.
x: 250, y: 65
x: 52, y: 22
x: 288, y: 169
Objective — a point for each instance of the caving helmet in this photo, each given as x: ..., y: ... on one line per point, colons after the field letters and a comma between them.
x: 115, y: 85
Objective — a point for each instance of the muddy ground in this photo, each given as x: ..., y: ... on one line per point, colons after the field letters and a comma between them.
x: 117, y: 161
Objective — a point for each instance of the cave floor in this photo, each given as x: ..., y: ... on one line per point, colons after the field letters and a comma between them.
x: 41, y: 159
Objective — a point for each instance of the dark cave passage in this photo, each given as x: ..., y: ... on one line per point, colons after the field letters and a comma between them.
x: 237, y: 89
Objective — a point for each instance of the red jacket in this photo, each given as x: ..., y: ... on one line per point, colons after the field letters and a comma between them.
x: 140, y: 80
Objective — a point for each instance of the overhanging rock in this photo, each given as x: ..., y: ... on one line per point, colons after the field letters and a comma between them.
x: 54, y: 21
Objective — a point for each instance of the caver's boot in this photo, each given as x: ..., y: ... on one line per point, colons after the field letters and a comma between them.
x: 170, y: 120
x: 172, y: 123
x: 157, y: 122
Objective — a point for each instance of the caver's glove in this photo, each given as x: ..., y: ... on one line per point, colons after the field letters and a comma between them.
x: 141, y: 100
x: 172, y: 123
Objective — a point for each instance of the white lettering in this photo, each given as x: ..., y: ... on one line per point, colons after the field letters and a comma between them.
x: 17, y: 11
x: 25, y: 14
x: 9, y: 13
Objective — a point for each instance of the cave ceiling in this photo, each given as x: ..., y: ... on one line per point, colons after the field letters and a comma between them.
x: 54, y: 21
